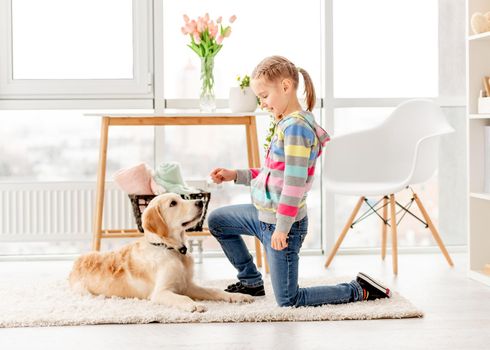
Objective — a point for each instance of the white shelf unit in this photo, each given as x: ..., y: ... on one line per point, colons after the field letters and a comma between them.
x: 478, y: 66
x: 481, y: 36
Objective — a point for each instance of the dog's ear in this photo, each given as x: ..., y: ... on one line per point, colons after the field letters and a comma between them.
x: 153, y: 221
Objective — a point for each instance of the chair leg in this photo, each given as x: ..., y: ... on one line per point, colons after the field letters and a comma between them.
x: 344, y: 231
x: 394, y: 244
x: 433, y: 230
x: 383, y: 228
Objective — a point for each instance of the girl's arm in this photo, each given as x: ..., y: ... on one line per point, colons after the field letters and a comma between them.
x: 244, y: 176
x: 298, y: 139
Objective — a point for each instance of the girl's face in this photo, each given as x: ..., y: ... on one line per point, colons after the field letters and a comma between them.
x: 273, y: 95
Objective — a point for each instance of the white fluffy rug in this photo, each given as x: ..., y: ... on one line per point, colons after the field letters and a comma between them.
x: 51, y: 303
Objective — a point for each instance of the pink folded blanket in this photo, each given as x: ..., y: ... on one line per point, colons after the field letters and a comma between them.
x: 137, y: 179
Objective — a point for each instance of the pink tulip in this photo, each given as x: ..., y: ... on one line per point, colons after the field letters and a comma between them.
x: 190, y: 27
x: 197, y: 38
x: 213, y: 30
x: 200, y: 25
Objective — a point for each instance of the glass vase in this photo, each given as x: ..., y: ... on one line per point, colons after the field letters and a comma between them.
x: 207, y: 101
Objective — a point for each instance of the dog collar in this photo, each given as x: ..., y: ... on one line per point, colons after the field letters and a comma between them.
x: 182, y: 250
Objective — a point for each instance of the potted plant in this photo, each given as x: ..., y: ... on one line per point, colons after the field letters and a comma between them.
x: 242, y: 99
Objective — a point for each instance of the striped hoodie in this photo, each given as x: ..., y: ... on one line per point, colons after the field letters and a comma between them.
x: 279, y: 188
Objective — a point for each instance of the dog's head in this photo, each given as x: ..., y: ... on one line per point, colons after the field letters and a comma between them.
x: 168, y: 216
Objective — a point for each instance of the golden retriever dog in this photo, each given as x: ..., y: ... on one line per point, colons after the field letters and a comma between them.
x: 156, y: 267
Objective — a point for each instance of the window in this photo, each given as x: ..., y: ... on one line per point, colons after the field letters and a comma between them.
x: 64, y: 146
x: 257, y: 33
x: 72, y: 49
x: 379, y: 51
x: 52, y: 156
x: 55, y: 52
x: 378, y: 54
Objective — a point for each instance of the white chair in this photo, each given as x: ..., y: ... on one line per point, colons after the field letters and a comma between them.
x: 401, y: 151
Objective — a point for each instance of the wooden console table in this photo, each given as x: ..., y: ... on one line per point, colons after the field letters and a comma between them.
x: 248, y: 120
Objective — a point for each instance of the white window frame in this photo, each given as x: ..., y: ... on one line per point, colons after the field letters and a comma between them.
x: 81, y: 93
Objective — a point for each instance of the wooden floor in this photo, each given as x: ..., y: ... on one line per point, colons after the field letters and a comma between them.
x: 457, y: 313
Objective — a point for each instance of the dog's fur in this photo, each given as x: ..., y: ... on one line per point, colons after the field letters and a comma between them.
x: 142, y: 270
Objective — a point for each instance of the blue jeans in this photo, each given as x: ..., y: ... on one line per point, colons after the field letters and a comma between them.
x: 227, y: 224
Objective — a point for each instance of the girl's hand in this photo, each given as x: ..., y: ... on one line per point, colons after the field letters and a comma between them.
x: 218, y: 175
x: 279, y: 240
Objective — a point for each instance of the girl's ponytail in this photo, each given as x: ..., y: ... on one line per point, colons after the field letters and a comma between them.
x: 309, y: 90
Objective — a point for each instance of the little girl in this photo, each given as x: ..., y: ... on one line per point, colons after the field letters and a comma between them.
x: 278, y: 215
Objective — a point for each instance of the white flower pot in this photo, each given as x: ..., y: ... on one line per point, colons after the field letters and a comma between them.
x: 242, y: 100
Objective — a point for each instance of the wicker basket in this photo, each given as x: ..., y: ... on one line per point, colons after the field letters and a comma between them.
x: 139, y: 203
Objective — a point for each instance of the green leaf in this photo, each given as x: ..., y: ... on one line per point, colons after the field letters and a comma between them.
x: 195, y: 49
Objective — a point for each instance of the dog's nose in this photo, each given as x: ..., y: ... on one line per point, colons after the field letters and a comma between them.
x: 200, y: 203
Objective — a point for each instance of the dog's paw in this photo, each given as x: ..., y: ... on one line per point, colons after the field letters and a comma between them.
x: 199, y: 308
x: 194, y: 307
x: 239, y: 298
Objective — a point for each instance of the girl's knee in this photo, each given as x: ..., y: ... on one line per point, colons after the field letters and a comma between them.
x: 215, y: 222
x: 285, y: 301
x: 212, y: 221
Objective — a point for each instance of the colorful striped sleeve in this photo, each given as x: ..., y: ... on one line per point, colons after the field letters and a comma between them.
x: 244, y: 176
x: 298, y: 139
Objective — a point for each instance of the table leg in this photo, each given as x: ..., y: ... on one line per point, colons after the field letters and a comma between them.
x: 254, y: 143
x: 99, y: 204
x: 254, y: 162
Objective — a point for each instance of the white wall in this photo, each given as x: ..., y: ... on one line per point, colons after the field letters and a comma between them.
x: 452, y: 163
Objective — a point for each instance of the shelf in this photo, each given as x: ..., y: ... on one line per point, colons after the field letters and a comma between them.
x: 479, y: 116
x: 477, y: 67
x: 479, y: 37
x: 482, y: 195
x: 479, y: 276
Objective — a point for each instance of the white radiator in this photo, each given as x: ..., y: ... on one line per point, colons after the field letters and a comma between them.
x: 58, y: 210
